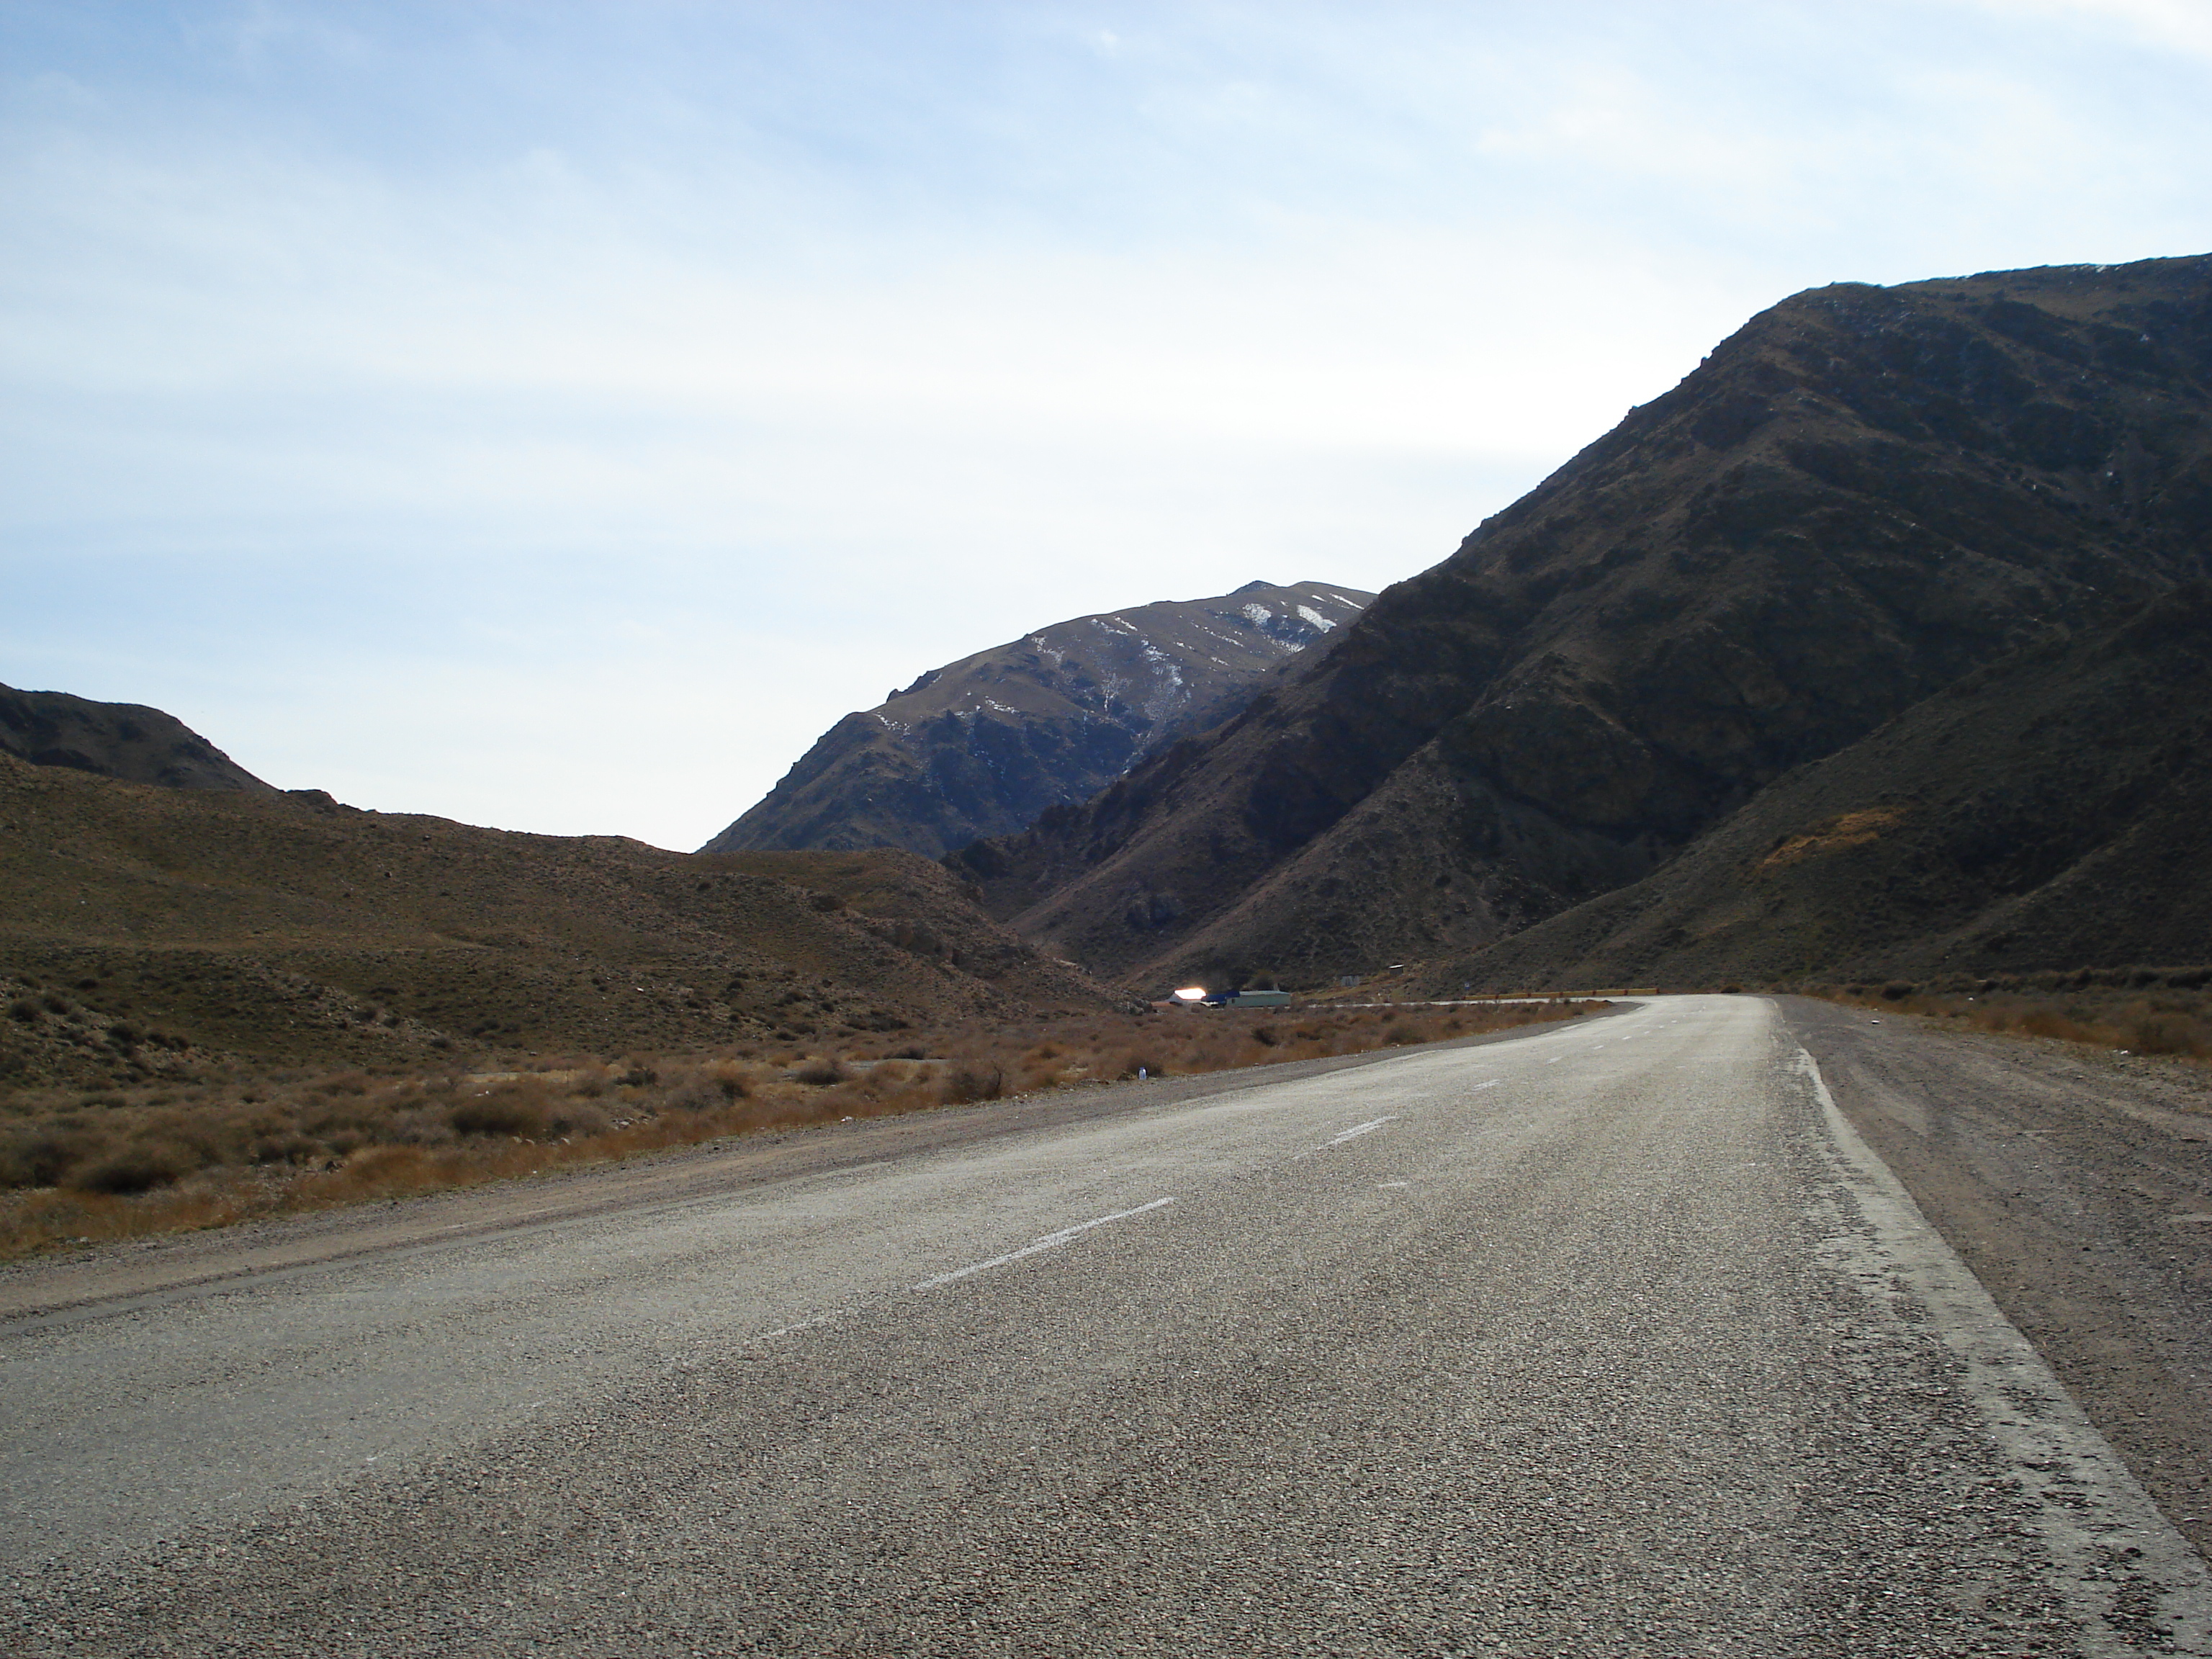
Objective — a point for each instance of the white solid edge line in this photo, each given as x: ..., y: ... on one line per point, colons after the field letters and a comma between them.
x: 1047, y: 1242
x: 2090, y: 1508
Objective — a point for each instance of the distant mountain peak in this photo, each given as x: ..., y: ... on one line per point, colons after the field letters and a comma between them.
x: 983, y: 745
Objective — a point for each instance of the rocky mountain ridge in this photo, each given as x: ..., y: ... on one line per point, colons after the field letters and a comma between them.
x: 1862, y: 495
x: 981, y: 746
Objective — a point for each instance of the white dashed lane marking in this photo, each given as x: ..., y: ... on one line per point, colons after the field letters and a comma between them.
x: 1050, y: 1241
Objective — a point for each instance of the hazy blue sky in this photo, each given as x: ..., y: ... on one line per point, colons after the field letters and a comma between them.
x: 554, y: 415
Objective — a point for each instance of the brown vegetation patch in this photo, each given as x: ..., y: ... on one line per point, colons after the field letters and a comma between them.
x: 78, y: 1166
x: 2165, y: 1011
x: 151, y: 935
x: 1848, y: 829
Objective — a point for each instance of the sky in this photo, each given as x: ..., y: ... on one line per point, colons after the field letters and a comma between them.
x: 556, y: 414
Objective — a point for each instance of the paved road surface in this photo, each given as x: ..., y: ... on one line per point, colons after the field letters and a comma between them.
x: 1612, y: 1339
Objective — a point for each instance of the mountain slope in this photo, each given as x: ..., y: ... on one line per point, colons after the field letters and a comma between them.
x: 288, y: 928
x: 981, y: 746
x: 2052, y: 811
x: 123, y: 740
x: 1862, y: 495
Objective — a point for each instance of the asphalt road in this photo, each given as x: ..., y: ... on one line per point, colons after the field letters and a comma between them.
x: 1610, y: 1340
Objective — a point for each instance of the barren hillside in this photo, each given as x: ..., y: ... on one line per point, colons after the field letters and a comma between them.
x: 145, y: 929
x: 1861, y: 495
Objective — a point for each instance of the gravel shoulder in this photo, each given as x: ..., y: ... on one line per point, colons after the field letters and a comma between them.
x: 2077, y: 1184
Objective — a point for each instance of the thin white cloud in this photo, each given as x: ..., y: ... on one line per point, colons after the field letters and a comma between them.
x: 2177, y: 25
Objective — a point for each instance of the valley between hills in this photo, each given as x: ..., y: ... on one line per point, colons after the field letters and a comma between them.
x: 1871, y: 659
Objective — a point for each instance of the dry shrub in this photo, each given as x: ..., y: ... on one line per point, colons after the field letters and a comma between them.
x: 44, y: 1157
x: 2157, y: 1034
x: 574, y: 1119
x: 136, y: 1170
x: 2048, y: 1022
x: 821, y: 1073
x: 499, y: 1112
x: 713, y: 1088
x: 971, y: 1082
x: 379, y: 1172
x: 1035, y: 1076
x: 45, y: 1218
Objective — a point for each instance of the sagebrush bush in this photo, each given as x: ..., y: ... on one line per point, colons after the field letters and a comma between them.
x: 720, y: 1085
x: 44, y: 1157
x: 138, y: 1170
x: 965, y: 1084
x: 499, y: 1115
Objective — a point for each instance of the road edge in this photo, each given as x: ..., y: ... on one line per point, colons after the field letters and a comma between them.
x: 2104, y: 1533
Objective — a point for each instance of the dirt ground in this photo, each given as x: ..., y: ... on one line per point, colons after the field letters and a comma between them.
x: 2077, y: 1182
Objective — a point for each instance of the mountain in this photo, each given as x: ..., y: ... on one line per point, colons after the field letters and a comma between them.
x: 143, y: 929
x: 981, y: 746
x: 114, y: 740
x: 1861, y: 495
x: 2050, y: 810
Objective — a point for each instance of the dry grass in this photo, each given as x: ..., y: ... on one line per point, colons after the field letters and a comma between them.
x: 2137, y: 1011
x: 1852, y: 829
x: 113, y: 1163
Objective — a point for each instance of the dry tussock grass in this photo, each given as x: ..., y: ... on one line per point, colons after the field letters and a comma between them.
x: 2138, y: 1010
x: 77, y: 1167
